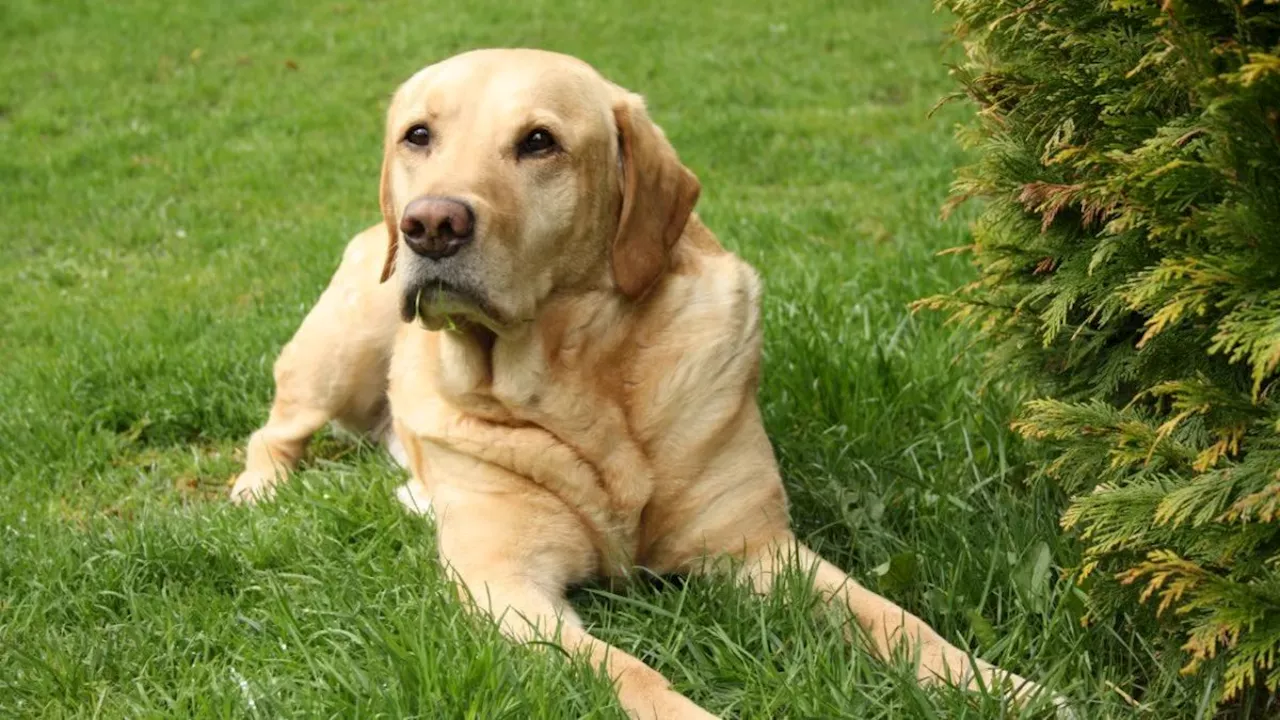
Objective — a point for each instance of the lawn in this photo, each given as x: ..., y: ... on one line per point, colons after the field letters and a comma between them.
x: 177, y: 184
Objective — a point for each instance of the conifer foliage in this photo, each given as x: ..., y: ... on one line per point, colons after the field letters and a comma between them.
x: 1128, y: 157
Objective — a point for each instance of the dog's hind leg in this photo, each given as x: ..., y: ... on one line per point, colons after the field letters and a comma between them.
x: 334, y: 368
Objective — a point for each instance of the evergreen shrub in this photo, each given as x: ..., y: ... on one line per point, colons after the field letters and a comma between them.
x: 1128, y: 248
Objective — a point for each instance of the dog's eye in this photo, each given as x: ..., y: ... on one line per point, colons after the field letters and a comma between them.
x: 537, y: 142
x: 418, y: 135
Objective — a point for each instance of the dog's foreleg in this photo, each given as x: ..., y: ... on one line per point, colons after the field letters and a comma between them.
x: 887, y: 627
x: 527, y: 612
x: 334, y: 368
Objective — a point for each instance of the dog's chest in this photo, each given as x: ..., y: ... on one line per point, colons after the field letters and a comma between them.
x: 554, y: 425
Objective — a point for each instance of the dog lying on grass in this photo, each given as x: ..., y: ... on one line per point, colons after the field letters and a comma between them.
x: 566, y: 360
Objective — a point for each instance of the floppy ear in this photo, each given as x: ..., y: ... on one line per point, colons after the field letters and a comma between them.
x: 658, y: 195
x: 384, y: 199
x: 388, y: 212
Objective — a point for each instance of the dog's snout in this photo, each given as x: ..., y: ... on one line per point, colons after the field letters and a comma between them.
x: 437, y: 227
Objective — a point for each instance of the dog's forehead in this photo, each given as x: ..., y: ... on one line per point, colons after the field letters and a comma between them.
x: 505, y: 82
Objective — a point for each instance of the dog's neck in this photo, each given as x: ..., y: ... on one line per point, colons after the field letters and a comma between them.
x: 505, y: 377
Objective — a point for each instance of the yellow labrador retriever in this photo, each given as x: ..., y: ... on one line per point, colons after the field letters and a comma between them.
x: 565, y: 358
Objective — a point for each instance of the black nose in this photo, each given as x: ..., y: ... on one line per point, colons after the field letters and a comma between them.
x: 437, y: 227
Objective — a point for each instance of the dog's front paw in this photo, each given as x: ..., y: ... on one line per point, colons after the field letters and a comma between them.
x: 682, y: 708
x: 1029, y: 694
x: 1023, y: 692
x: 1063, y: 709
x: 253, y: 486
x: 666, y: 705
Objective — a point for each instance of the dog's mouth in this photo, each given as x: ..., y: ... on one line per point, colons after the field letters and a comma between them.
x: 442, y: 305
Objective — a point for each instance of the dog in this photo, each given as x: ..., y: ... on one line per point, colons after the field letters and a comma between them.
x: 566, y: 360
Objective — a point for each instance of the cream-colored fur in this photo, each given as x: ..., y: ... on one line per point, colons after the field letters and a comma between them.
x: 575, y: 391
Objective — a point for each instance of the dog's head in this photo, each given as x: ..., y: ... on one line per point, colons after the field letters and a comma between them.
x: 510, y: 175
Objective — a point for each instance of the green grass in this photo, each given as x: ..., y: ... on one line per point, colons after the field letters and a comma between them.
x: 178, y: 182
